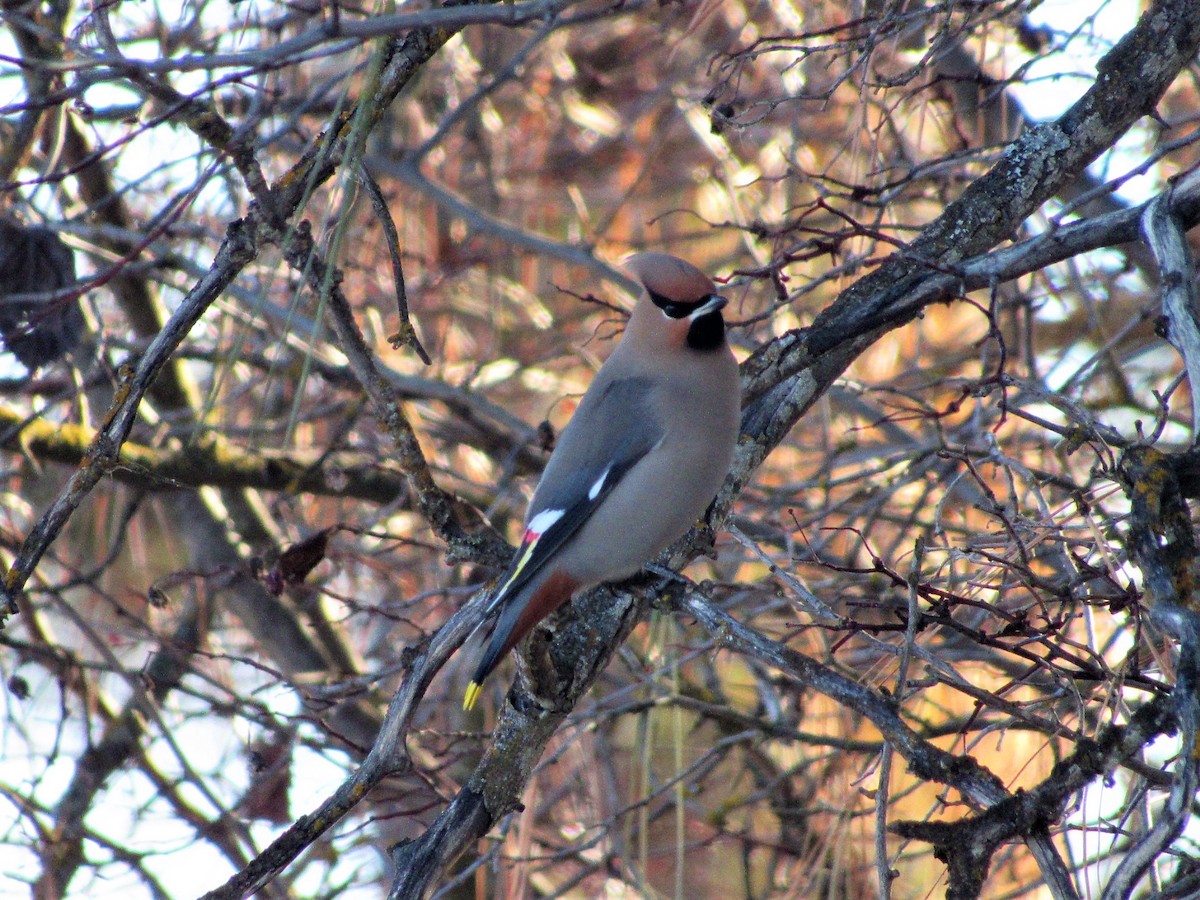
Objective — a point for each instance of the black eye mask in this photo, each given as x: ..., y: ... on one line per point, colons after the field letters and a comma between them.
x: 673, y: 308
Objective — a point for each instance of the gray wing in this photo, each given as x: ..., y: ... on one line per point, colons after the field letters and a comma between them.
x: 613, y: 428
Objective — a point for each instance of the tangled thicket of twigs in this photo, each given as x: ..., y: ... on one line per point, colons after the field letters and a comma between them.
x: 342, y: 273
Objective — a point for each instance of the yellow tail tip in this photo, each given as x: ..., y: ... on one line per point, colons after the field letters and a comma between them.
x: 471, y: 696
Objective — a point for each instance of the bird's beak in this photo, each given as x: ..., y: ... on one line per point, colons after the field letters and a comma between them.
x: 715, y: 302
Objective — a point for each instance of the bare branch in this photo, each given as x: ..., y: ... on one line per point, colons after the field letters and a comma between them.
x: 1164, y: 230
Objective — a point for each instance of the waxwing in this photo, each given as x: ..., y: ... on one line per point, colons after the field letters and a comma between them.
x: 639, y: 462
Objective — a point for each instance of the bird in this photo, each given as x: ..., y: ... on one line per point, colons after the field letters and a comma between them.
x: 638, y: 463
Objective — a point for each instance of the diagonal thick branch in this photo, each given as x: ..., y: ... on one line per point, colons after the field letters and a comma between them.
x: 1131, y: 79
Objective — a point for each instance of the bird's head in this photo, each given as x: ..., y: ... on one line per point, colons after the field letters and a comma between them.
x: 679, y: 306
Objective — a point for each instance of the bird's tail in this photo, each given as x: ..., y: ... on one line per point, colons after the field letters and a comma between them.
x: 518, y: 614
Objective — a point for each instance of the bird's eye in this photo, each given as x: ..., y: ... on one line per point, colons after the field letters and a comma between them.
x: 670, y: 308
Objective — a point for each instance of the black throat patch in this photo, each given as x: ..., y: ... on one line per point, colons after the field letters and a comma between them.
x: 707, y: 332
